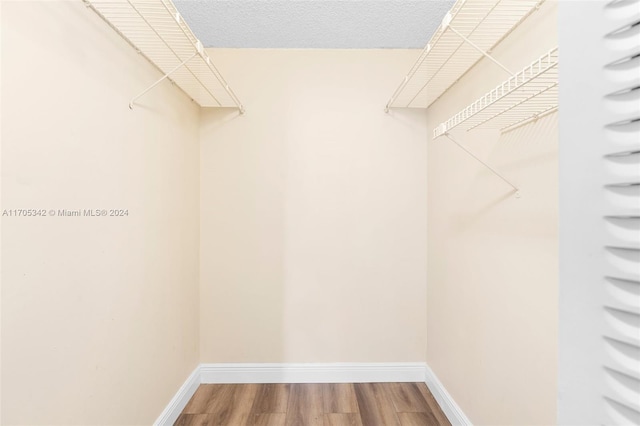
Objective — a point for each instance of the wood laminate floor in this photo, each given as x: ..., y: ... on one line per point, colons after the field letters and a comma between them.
x: 345, y: 404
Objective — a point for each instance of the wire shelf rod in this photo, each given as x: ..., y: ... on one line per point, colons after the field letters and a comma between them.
x: 494, y: 171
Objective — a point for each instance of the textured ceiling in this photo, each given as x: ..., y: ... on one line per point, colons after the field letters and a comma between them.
x: 330, y: 24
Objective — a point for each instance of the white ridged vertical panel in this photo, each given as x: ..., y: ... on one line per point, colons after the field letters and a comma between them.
x: 599, y: 362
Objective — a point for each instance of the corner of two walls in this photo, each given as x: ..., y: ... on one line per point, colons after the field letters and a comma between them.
x: 493, y: 258
x: 312, y: 237
x: 99, y: 314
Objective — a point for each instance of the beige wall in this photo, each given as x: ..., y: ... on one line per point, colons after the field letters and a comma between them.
x: 313, y: 207
x: 492, y: 289
x: 99, y: 315
x: 313, y: 233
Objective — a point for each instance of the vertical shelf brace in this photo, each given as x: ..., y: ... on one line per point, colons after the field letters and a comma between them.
x: 494, y: 171
x: 164, y: 77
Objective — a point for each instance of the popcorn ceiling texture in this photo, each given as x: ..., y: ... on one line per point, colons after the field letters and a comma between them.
x: 322, y: 24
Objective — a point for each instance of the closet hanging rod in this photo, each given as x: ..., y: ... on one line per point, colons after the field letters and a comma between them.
x: 468, y: 32
x: 158, y: 32
x: 533, y: 118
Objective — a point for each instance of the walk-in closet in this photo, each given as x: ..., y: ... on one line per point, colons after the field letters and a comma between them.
x: 319, y: 212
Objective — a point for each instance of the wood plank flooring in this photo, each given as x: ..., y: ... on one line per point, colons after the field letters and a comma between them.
x: 340, y: 404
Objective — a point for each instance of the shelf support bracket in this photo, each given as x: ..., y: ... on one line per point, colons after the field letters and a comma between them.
x: 446, y: 24
x: 164, y: 77
x: 494, y: 171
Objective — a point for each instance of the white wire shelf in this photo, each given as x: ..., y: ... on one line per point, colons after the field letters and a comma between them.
x: 158, y: 32
x: 528, y: 95
x: 468, y: 32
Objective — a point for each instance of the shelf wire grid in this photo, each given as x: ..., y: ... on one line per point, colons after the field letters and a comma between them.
x: 528, y: 95
x: 447, y: 57
x: 156, y: 30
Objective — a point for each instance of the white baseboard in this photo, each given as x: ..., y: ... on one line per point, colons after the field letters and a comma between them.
x: 180, y: 400
x: 446, y: 402
x: 313, y: 373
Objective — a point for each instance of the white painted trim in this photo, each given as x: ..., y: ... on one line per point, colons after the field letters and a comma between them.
x: 179, y: 401
x: 449, y: 407
x: 313, y: 373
